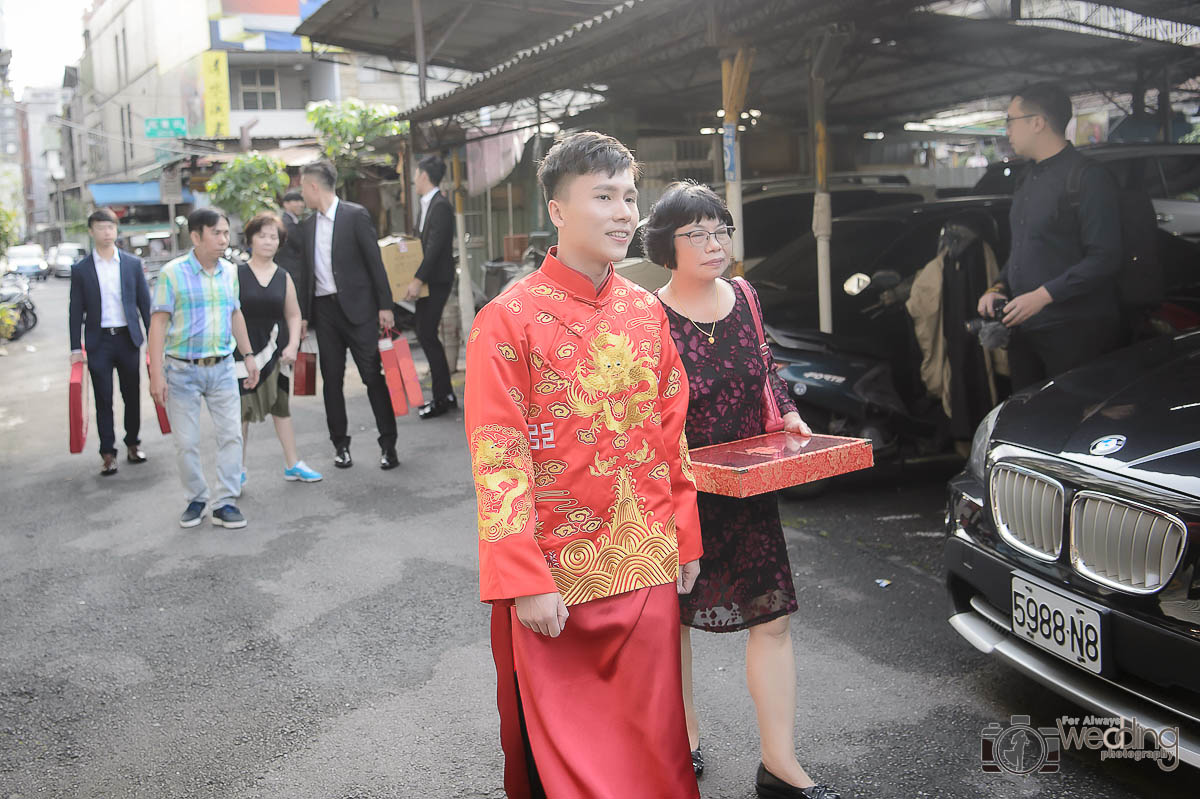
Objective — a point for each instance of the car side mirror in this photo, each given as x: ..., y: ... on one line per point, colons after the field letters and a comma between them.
x: 856, y: 284
x: 886, y: 279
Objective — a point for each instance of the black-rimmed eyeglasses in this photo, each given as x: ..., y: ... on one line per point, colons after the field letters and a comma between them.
x: 1009, y: 120
x: 699, y: 238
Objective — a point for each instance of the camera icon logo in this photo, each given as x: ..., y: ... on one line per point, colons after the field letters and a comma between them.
x: 1020, y: 748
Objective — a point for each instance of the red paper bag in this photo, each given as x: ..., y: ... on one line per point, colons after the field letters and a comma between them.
x: 78, y: 406
x: 163, y: 423
x: 393, y: 375
x: 304, y: 375
x: 408, y: 371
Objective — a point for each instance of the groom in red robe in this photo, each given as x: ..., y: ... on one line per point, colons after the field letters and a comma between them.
x: 575, y: 404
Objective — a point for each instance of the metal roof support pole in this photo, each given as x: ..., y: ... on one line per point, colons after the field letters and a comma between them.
x: 419, y: 33
x: 735, y: 78
x: 466, y: 287
x: 537, y: 160
x: 825, y: 56
x: 1164, y: 103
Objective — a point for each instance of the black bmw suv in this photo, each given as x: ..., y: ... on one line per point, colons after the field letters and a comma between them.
x: 1074, y: 537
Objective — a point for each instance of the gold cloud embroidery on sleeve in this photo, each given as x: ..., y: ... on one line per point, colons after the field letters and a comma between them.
x: 685, y: 459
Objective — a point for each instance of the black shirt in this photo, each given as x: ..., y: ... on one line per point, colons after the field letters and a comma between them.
x: 1074, y: 253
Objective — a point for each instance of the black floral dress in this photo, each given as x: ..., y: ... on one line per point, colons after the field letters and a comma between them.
x: 745, y: 578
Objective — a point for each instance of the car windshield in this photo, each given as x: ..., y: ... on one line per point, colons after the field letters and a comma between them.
x: 856, y: 245
x: 25, y: 251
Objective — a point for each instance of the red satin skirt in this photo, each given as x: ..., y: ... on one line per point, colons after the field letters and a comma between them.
x: 596, y: 713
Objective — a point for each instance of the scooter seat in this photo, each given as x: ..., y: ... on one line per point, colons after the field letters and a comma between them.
x: 808, y: 340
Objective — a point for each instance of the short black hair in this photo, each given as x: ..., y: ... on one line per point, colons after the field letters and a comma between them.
x: 260, y: 221
x: 582, y: 154
x: 102, y: 215
x: 433, y: 167
x: 201, y: 218
x: 1051, y: 101
x: 293, y: 196
x: 684, y: 202
x: 323, y: 170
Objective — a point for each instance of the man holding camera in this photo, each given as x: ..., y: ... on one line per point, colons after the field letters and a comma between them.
x: 1058, y: 291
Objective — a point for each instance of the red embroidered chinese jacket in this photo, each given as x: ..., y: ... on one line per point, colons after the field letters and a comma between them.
x: 575, y: 405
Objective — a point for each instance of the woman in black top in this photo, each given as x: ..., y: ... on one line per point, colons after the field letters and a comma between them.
x: 272, y: 314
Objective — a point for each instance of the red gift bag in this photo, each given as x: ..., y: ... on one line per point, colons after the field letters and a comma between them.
x: 408, y: 371
x: 164, y: 424
x: 393, y: 374
x: 304, y: 374
x: 78, y: 406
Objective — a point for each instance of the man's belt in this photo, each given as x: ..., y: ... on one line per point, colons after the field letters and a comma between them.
x: 114, y: 331
x: 210, y: 361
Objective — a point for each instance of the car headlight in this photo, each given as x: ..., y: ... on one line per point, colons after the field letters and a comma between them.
x: 977, y: 463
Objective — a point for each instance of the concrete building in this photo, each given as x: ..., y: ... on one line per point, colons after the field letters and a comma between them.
x: 159, y: 79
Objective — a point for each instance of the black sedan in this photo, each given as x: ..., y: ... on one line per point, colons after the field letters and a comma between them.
x: 1074, y: 539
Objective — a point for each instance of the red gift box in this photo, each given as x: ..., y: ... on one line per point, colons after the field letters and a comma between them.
x: 393, y: 375
x: 773, y: 461
x: 78, y: 406
x: 163, y: 423
x: 304, y: 375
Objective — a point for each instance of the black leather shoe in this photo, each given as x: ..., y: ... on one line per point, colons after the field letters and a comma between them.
x: 768, y: 786
x: 136, y: 455
x: 343, y: 460
x: 432, y: 410
x: 697, y: 761
x: 110, y: 465
x: 389, y: 459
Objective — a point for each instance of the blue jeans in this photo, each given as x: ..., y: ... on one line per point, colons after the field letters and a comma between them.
x: 187, y: 385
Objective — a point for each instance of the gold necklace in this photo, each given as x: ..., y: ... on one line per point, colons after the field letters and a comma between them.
x: 708, y: 333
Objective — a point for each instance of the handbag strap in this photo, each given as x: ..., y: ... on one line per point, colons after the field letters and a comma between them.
x: 747, y: 290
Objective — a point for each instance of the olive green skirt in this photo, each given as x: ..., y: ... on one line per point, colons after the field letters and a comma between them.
x: 269, y: 398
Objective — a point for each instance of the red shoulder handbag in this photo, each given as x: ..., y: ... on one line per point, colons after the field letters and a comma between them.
x: 772, y: 418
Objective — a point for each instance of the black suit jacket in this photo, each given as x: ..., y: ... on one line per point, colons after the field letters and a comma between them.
x: 437, y: 243
x: 291, y: 254
x: 85, y: 300
x: 362, y: 282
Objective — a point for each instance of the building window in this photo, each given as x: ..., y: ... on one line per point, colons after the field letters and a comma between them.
x: 259, y: 89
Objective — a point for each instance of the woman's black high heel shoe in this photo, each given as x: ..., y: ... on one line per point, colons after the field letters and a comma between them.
x: 697, y: 761
x: 768, y: 786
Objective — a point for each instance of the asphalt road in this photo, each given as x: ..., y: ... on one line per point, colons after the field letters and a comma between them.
x: 334, y: 648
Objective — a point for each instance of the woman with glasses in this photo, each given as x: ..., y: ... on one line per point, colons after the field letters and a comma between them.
x: 745, y: 579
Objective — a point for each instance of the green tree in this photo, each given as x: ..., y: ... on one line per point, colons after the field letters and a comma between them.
x: 249, y: 184
x: 347, y: 133
x: 9, y: 232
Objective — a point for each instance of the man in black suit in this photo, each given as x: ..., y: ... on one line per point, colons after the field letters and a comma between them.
x: 436, y: 224
x: 291, y: 252
x: 345, y: 296
x: 108, y: 295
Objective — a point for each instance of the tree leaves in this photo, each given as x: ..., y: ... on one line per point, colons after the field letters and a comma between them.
x: 249, y: 184
x: 347, y: 130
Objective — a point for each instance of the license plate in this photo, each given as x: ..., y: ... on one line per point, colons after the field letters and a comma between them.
x: 1056, y: 623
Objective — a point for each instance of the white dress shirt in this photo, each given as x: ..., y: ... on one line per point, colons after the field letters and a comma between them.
x: 112, y: 309
x: 323, y: 256
x: 426, y: 199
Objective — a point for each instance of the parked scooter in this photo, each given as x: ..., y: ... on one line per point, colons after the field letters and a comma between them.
x: 17, y: 313
x: 499, y: 275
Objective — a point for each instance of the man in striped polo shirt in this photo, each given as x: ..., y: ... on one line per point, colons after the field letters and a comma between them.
x: 196, y: 318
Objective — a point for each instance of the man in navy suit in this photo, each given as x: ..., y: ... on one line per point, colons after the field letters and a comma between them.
x: 108, y: 295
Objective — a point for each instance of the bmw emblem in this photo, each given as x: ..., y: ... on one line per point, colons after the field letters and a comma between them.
x: 1108, y: 445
